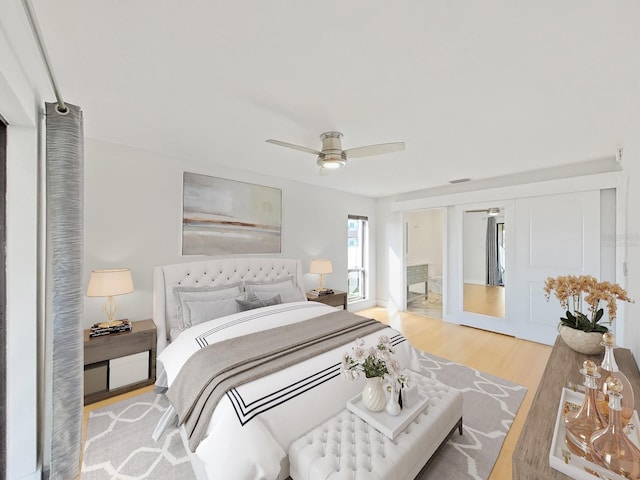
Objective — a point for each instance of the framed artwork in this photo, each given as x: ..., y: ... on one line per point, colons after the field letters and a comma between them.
x: 227, y: 217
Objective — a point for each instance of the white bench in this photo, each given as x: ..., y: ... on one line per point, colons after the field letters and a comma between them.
x: 345, y: 447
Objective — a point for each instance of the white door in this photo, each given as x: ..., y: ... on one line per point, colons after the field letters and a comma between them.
x: 554, y: 235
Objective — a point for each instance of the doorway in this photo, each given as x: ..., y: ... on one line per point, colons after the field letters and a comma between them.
x: 424, y: 234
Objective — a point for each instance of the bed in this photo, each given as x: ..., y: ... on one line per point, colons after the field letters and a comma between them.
x: 249, y: 431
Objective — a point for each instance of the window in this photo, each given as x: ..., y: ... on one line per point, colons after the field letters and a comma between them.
x: 357, y: 255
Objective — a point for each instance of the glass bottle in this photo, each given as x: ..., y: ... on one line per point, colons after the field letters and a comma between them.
x: 611, y: 447
x: 580, y: 425
x: 609, y: 368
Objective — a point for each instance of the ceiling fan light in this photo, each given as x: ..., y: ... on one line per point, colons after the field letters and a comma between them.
x: 331, y: 164
x: 332, y: 161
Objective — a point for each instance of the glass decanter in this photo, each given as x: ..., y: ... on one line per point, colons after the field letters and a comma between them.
x: 609, y: 368
x: 580, y: 425
x: 611, y: 447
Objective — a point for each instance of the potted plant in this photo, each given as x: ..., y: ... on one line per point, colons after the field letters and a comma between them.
x: 582, y: 328
x: 374, y: 363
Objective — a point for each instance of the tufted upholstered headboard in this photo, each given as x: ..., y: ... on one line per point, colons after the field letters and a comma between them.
x: 212, y: 273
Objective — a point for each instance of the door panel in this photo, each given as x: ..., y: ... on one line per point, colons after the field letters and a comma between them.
x: 555, y: 235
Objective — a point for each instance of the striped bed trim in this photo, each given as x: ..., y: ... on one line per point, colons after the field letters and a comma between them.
x: 247, y: 409
x: 202, y: 340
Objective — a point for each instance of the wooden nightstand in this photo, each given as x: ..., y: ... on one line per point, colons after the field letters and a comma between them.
x: 335, y: 299
x: 104, y: 353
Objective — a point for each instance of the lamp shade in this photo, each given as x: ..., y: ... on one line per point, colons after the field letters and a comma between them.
x: 321, y: 265
x: 106, y: 283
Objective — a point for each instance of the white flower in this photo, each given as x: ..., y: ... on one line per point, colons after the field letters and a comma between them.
x: 393, y: 366
x: 383, y: 355
x: 375, y: 361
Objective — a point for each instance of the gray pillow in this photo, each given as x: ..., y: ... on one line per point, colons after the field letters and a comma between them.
x: 255, y: 302
x: 200, y: 312
x: 193, y: 294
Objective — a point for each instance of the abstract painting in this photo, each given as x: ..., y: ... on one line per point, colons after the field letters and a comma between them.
x: 227, y: 217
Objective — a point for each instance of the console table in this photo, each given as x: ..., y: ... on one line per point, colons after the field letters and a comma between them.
x: 531, y: 455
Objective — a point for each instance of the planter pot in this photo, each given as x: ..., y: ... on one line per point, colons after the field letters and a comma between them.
x: 588, y: 343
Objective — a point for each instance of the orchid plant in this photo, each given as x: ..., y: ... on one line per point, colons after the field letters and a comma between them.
x: 575, y: 291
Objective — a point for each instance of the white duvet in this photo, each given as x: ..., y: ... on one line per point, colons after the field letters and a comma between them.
x: 252, y: 427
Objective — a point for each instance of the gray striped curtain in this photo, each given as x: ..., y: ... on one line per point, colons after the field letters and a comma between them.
x: 493, y: 275
x: 65, y: 196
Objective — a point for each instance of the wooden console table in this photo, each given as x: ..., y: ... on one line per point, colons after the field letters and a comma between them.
x: 531, y: 456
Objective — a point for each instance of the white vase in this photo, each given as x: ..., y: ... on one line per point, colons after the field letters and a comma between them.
x: 587, y: 343
x: 373, y: 396
x: 393, y: 407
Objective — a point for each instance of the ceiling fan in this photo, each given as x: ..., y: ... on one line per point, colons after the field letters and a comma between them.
x: 332, y: 156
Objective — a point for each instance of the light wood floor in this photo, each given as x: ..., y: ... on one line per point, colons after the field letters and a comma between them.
x: 484, y: 299
x: 516, y: 360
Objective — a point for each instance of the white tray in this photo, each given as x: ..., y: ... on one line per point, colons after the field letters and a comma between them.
x: 574, y: 466
x: 386, y: 424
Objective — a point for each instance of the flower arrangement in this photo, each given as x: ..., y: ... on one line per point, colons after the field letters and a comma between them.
x: 375, y: 361
x: 574, y: 291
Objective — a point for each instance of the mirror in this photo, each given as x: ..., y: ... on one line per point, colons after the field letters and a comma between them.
x: 484, y: 266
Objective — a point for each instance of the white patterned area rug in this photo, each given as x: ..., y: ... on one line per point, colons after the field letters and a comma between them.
x: 119, y: 444
x: 489, y: 406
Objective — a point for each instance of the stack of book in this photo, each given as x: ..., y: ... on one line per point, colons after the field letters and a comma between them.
x: 318, y: 293
x: 100, y: 329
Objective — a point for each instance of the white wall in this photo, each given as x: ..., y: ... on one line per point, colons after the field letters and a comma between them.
x: 474, y: 241
x: 631, y: 241
x: 424, y: 231
x: 133, y: 219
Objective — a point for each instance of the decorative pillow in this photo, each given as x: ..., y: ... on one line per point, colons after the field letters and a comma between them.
x: 191, y: 294
x: 200, y: 312
x: 287, y: 295
x: 255, y: 302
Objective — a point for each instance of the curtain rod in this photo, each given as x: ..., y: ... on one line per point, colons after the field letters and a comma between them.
x: 37, y: 34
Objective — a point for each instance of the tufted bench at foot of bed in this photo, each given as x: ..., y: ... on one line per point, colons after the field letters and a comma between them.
x: 346, y: 447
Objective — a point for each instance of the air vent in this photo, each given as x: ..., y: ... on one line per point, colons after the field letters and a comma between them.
x: 460, y: 180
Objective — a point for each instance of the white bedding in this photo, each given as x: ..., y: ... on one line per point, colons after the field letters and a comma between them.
x: 252, y: 427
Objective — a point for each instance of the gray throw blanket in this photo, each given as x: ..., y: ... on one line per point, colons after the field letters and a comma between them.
x: 212, y: 371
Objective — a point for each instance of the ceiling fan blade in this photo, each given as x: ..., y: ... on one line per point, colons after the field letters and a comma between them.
x: 295, y: 147
x: 378, y: 149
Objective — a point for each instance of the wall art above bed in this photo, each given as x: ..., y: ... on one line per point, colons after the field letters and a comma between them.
x: 227, y: 217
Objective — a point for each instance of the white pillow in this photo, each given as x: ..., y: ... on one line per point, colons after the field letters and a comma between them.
x: 272, y: 286
x: 200, y: 312
x: 289, y: 294
x: 200, y: 295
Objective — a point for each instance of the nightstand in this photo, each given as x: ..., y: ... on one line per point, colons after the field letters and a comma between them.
x: 119, y: 362
x: 335, y: 299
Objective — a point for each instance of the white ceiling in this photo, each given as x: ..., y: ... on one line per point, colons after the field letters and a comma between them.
x: 475, y: 89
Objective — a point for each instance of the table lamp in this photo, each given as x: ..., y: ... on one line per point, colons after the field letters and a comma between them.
x: 109, y: 283
x: 321, y: 266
